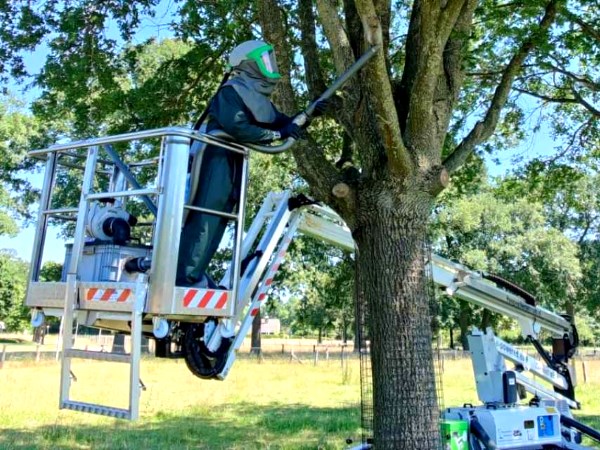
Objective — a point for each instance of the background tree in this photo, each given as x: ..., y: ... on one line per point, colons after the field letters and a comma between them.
x: 512, y: 239
x: 51, y: 271
x: 571, y: 201
x: 434, y: 93
x: 17, y: 132
x: 13, y: 280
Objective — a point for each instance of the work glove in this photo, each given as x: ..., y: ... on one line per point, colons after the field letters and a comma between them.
x: 291, y: 130
x: 320, y: 107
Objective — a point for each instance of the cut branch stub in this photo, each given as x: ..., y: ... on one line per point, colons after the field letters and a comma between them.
x: 341, y: 190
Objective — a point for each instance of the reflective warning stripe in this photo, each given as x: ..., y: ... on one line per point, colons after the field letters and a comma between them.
x: 200, y: 298
x: 108, y: 295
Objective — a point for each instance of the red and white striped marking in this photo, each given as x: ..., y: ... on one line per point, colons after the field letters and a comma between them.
x: 262, y: 293
x: 202, y: 298
x: 108, y: 295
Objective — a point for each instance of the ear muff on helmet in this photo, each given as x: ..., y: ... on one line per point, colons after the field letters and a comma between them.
x: 258, y: 51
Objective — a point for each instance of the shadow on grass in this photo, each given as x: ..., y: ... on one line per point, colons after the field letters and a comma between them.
x: 230, y: 426
x: 12, y: 341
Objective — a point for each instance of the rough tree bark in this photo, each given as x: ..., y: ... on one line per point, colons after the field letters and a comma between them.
x: 392, y: 236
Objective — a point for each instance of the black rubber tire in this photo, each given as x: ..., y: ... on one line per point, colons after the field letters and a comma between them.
x: 199, y: 360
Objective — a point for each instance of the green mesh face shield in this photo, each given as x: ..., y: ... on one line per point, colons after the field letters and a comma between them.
x: 264, y: 57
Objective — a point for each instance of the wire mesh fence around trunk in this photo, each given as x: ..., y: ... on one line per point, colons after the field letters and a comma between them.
x: 363, y: 342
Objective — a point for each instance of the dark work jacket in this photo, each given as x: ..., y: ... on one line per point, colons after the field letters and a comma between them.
x: 228, y: 112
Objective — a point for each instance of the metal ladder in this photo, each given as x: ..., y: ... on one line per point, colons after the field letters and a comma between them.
x: 72, y: 305
x: 133, y: 358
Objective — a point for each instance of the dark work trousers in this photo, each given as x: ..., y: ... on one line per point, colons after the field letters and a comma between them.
x: 218, y: 189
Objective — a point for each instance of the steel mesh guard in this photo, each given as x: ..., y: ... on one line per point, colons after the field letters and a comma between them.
x: 366, y: 378
x: 364, y: 345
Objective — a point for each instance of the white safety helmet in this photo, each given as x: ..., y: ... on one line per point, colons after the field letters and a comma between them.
x: 258, y: 51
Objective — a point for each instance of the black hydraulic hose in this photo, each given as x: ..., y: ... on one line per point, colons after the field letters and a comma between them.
x: 572, y: 423
x: 479, y: 432
x: 511, y: 287
x: 204, y: 114
x: 140, y: 265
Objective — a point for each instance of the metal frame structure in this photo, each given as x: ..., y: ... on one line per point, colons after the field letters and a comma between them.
x: 122, y: 304
x: 154, y: 300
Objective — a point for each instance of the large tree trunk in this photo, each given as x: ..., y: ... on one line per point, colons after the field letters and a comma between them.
x: 391, y: 257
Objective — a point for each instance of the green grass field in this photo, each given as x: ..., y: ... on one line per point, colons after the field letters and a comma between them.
x: 275, y: 404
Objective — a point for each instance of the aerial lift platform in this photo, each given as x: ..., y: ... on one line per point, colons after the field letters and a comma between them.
x: 118, y: 279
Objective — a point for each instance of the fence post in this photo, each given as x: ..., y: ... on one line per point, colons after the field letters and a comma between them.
x: 316, y: 354
x: 37, y: 353
x: 584, y: 371
x: 3, y: 358
x: 282, y: 349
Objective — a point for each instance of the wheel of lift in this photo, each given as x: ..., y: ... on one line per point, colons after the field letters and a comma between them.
x: 202, y: 362
x: 160, y: 327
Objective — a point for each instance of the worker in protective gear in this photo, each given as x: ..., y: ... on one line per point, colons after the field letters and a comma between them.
x: 241, y: 108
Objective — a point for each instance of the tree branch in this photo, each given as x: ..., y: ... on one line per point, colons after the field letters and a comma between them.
x: 343, y: 56
x: 485, y: 128
x: 313, y: 166
x: 380, y: 94
x: 384, y: 12
x: 308, y: 45
x: 577, y: 98
x: 420, y: 80
x: 336, y: 35
x: 451, y: 78
x: 547, y: 98
x: 583, y: 102
x: 568, y: 148
x: 449, y: 16
x: 583, y: 80
x: 353, y: 27
x: 585, y: 27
